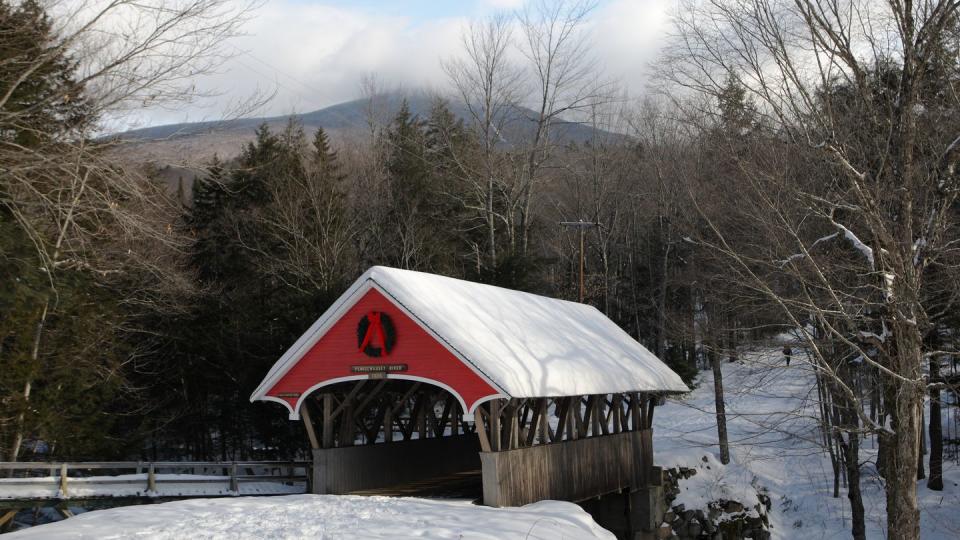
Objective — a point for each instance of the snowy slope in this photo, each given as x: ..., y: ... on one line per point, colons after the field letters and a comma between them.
x: 773, y: 435
x: 325, y: 517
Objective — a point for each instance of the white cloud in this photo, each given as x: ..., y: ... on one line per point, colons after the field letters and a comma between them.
x: 315, y: 55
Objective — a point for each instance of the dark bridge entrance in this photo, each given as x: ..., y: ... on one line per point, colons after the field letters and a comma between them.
x: 384, y: 433
x: 410, y: 378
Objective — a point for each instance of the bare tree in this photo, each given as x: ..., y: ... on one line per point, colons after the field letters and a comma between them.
x: 488, y: 85
x: 565, y: 80
x: 830, y: 83
x: 70, y: 196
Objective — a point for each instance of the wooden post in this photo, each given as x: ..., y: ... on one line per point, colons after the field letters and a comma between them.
x: 481, y: 428
x: 544, y: 422
x: 427, y: 398
x: 388, y: 424
x: 63, y: 480
x: 635, y: 412
x: 649, y: 419
x: 308, y: 423
x: 495, y: 425
x: 234, y: 484
x: 327, y: 420
x: 563, y: 418
x: 617, y: 411
x: 600, y: 409
x: 535, y: 422
x: 346, y: 425
x: 151, y: 478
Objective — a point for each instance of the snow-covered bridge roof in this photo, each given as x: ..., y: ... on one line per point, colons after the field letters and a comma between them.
x: 478, y: 341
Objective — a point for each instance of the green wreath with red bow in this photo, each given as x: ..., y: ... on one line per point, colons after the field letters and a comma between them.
x: 376, y: 323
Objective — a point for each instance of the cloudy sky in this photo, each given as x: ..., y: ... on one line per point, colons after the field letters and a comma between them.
x: 314, y: 53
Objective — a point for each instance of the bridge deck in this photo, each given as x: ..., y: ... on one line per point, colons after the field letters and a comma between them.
x: 462, y: 485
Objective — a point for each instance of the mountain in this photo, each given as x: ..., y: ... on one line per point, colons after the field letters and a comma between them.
x: 191, y: 143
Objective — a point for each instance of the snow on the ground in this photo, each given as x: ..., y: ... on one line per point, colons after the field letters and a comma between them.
x: 325, y: 517
x: 135, y: 485
x: 774, y: 442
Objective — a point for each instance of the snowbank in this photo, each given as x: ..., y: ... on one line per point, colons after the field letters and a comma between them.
x: 774, y: 444
x: 325, y: 517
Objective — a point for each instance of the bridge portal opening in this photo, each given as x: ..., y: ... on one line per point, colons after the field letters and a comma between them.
x: 391, y: 436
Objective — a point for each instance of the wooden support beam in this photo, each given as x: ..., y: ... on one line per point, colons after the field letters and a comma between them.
x: 616, y: 410
x: 535, y: 422
x: 650, y: 408
x: 308, y: 423
x: 388, y: 424
x: 327, y: 421
x: 627, y: 412
x: 362, y: 406
x: 634, y: 411
x: 563, y: 414
x: 448, y: 407
x: 510, y: 429
x: 642, y: 421
x: 422, y: 416
x: 576, y: 410
x: 545, y: 435
x: 525, y: 419
x: 7, y: 518
x: 346, y: 401
x: 586, y: 419
x: 601, y: 415
x: 495, y: 425
x: 403, y: 400
x: 514, y: 428
x: 416, y: 417
x: 480, y: 421
x: 347, y: 425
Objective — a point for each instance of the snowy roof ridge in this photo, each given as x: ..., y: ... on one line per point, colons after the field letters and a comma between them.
x: 526, y: 345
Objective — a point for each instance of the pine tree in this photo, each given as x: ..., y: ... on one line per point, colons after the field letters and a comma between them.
x: 49, y: 102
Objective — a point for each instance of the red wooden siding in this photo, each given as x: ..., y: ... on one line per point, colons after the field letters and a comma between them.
x: 332, y: 356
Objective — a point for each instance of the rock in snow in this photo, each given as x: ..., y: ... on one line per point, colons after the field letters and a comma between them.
x: 325, y: 517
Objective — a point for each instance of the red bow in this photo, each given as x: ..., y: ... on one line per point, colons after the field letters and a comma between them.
x: 374, y: 318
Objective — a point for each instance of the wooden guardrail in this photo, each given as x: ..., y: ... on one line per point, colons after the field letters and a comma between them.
x: 61, y: 476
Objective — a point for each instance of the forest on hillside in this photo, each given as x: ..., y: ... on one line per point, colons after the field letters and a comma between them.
x: 788, y: 169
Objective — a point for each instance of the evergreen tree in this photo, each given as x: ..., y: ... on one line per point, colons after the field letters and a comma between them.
x: 49, y: 102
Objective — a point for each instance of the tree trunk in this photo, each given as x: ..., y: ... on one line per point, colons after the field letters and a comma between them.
x: 921, y: 473
x: 28, y: 385
x: 851, y: 454
x: 853, y: 483
x: 721, y: 408
x: 935, y: 482
x: 903, y: 513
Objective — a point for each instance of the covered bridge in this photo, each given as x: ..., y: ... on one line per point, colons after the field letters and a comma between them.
x: 412, y: 375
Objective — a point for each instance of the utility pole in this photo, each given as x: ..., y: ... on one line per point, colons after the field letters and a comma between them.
x: 582, y: 226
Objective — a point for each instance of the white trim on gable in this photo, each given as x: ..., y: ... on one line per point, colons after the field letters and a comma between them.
x: 330, y: 317
x: 309, y: 338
